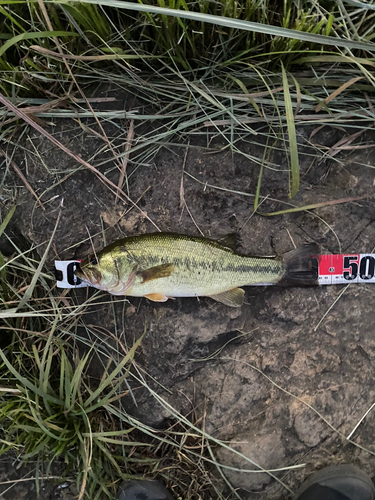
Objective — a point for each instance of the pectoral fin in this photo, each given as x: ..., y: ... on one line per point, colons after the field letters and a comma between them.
x: 154, y: 273
x: 232, y: 298
x: 157, y: 297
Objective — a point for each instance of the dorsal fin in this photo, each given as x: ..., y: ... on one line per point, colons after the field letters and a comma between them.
x: 227, y: 240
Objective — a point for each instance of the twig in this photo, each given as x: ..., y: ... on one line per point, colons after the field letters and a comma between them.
x: 326, y: 117
x: 42, y: 50
x: 128, y: 143
x: 13, y: 391
x: 290, y: 236
x: 49, y: 24
x: 22, y: 177
x: 183, y: 203
x: 343, y: 143
x: 360, y: 421
x: 331, y: 306
x: 369, y: 102
x: 338, y: 91
x: 30, y: 479
x: 182, y: 191
x: 92, y: 244
x: 42, y: 108
x: 101, y: 176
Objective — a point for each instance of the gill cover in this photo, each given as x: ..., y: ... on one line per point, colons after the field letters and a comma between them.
x: 113, y: 271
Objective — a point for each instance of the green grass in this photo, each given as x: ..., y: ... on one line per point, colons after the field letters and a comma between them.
x: 216, y: 54
x: 56, y: 415
x: 193, y: 41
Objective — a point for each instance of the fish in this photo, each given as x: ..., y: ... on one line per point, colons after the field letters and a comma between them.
x: 160, y: 266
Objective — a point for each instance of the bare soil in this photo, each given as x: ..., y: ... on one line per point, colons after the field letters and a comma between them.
x: 292, y: 363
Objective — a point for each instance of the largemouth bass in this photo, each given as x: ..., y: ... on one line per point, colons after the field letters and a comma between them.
x: 160, y: 266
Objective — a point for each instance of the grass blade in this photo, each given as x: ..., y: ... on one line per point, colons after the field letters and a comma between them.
x: 338, y: 91
x: 32, y: 35
x: 30, y: 289
x: 231, y: 23
x: 314, y: 205
x: 26, y: 383
x: 103, y: 385
x: 7, y: 219
x: 293, y: 149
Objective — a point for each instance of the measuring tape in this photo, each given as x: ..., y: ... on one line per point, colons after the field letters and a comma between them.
x: 348, y: 268
x: 333, y: 270
x: 64, y: 274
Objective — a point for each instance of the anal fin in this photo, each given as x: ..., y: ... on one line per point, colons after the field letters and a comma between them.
x: 232, y: 298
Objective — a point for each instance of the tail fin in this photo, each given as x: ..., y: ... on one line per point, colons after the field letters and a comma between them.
x: 301, y: 266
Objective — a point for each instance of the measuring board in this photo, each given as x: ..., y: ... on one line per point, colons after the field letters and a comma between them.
x: 347, y: 268
x: 333, y: 269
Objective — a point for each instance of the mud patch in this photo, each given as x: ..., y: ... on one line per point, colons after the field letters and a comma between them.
x: 273, y: 378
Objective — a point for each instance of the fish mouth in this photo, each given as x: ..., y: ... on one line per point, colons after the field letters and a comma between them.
x: 78, y: 271
x: 90, y: 276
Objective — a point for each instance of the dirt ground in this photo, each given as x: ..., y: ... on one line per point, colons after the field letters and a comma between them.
x: 292, y: 363
x: 17, y: 482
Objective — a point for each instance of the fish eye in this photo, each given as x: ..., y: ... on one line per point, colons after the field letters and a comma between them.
x: 94, y: 261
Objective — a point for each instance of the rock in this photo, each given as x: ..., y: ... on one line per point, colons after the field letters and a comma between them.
x: 264, y: 448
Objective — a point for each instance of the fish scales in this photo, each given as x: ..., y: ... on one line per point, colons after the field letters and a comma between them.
x: 163, y: 265
x: 201, y: 266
